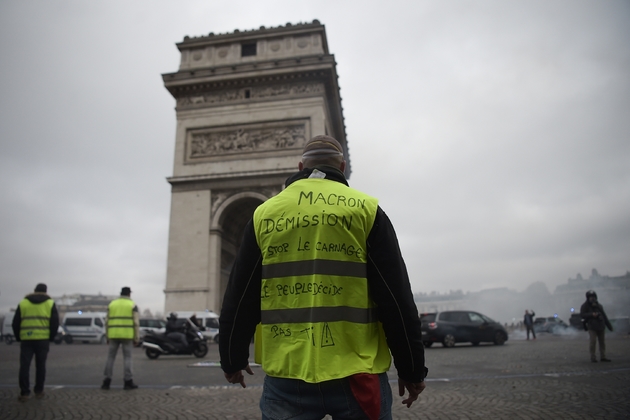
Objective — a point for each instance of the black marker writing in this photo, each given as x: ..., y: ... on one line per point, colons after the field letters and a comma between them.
x: 308, y: 288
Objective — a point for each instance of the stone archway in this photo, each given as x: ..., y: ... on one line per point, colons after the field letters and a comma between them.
x: 227, y: 225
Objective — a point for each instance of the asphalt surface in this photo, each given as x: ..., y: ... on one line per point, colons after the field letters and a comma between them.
x: 550, y: 378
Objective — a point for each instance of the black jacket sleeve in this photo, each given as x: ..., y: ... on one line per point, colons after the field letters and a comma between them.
x: 54, y: 322
x: 17, y: 321
x: 606, y: 320
x: 240, y: 312
x: 391, y: 291
x: 586, y: 312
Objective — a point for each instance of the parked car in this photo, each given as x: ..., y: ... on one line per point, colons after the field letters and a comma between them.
x: 451, y: 327
x: 156, y: 326
x: 86, y: 327
x: 575, y: 321
x: 550, y: 324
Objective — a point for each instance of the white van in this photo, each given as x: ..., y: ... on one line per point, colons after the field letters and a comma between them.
x: 7, y: 328
x: 209, y: 320
x: 86, y: 327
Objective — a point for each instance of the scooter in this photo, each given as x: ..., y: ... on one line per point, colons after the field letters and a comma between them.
x: 158, y: 344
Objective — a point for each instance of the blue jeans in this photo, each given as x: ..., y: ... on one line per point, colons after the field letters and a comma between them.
x: 284, y: 399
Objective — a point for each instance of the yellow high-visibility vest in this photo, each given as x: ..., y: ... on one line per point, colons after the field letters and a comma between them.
x: 318, y: 321
x: 120, y: 319
x: 35, y: 319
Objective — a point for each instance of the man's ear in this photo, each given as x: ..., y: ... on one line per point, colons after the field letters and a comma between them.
x: 300, y: 166
x: 342, y: 166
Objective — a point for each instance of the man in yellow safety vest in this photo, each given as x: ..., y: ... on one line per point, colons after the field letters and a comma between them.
x: 123, y: 329
x: 320, y: 281
x: 35, y: 325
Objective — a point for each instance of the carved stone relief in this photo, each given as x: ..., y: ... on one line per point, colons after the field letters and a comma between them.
x: 205, y: 143
x: 303, y: 42
x: 262, y: 92
x: 197, y: 54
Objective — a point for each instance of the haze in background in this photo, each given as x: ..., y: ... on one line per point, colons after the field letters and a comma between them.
x: 495, y: 134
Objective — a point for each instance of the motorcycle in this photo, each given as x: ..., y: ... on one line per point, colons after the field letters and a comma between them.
x: 159, y: 344
x: 62, y: 335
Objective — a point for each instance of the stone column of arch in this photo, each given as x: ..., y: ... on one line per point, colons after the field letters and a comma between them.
x: 217, y: 276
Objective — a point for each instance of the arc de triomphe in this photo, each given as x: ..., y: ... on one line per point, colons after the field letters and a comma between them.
x: 246, y: 102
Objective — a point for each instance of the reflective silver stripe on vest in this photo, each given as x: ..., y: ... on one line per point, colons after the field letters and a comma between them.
x: 320, y: 314
x: 309, y: 267
x: 44, y: 318
x: 127, y: 318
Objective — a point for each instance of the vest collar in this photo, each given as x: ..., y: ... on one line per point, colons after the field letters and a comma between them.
x: 331, y: 172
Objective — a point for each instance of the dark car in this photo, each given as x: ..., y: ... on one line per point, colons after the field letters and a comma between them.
x: 451, y: 327
x: 550, y: 324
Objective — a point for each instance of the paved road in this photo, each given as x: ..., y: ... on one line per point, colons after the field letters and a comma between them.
x: 550, y: 378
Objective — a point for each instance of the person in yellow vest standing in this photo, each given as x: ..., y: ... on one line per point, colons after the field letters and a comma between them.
x: 123, y: 330
x: 34, y: 325
x: 320, y: 281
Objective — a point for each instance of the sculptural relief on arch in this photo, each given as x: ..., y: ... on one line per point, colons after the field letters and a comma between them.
x: 246, y: 102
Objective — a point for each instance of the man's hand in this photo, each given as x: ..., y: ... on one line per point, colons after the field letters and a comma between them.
x: 414, y: 390
x: 237, y: 377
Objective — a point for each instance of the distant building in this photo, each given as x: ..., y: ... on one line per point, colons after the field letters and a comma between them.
x: 612, y: 292
x: 85, y: 303
x: 508, y: 306
x: 595, y: 282
x: 435, y: 302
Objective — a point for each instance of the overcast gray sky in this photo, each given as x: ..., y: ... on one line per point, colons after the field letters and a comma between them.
x: 495, y: 134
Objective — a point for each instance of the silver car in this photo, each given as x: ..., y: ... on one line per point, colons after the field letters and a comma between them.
x: 156, y: 326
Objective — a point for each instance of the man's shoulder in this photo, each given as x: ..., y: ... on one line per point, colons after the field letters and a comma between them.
x: 125, y: 299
